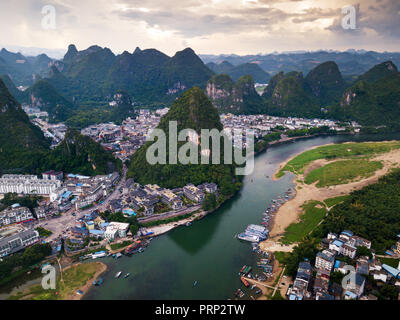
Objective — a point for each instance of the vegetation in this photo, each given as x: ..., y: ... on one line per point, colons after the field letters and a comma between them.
x: 390, y: 262
x: 337, y: 151
x: 72, y: 279
x: 370, y: 213
x: 240, y: 97
x: 313, y: 213
x: 235, y: 72
x: 342, y: 172
x: 288, y: 95
x: 119, y: 217
x: 169, y: 220
x: 22, y: 261
x: 307, y: 249
x: 89, y: 115
x: 44, y: 232
x: 210, y: 202
x: 30, y: 202
x: 117, y: 246
x: 263, y: 143
x: 326, y: 83
x: 24, y: 149
x: 372, y: 100
x: 309, y: 131
x: 148, y: 75
x: 193, y: 110
x: 334, y: 201
x: 48, y: 99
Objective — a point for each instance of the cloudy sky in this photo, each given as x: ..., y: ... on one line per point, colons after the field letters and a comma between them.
x: 208, y: 26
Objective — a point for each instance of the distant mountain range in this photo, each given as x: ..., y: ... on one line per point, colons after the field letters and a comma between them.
x: 23, y: 70
x: 78, y: 88
x: 235, y: 72
x: 350, y: 62
x: 372, y: 99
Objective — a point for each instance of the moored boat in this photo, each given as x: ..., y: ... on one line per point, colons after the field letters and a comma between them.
x: 244, y: 281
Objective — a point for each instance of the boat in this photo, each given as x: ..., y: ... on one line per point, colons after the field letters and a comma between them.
x: 133, y: 248
x: 195, y: 284
x: 246, y: 237
x: 118, y: 275
x: 98, y: 282
x: 244, y: 267
x: 237, y: 293
x: 127, y: 275
x: 188, y: 224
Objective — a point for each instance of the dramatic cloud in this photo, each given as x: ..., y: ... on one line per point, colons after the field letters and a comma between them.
x: 209, y: 26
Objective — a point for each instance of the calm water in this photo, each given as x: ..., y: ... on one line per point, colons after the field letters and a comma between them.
x: 207, y: 251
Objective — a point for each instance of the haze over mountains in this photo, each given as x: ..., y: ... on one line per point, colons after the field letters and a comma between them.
x: 78, y: 88
x: 350, y: 62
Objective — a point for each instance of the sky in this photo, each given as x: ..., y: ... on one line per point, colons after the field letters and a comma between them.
x: 208, y: 26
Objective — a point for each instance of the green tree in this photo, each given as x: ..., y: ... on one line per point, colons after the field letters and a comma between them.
x: 210, y: 202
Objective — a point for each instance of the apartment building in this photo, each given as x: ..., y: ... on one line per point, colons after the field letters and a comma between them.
x: 22, y: 184
x: 18, y: 242
x: 15, y: 214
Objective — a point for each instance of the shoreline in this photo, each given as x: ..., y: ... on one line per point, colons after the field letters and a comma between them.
x: 88, y: 285
x: 164, y: 228
x: 285, y: 162
x: 291, y: 210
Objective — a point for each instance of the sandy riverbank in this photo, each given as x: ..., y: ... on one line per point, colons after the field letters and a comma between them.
x: 289, y: 212
x: 164, y: 228
x: 101, y: 268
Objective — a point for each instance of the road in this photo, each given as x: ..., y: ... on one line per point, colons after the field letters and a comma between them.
x: 170, y: 214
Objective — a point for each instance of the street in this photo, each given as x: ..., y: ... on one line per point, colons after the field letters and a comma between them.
x: 59, y: 225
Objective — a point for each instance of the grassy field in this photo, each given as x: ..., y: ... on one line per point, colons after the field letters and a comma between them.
x: 73, y: 279
x: 334, y: 201
x: 337, y: 151
x: 117, y: 246
x: 313, y: 213
x: 342, y: 172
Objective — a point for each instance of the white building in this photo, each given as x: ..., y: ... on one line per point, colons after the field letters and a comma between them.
x: 17, y: 242
x: 193, y: 193
x: 348, y: 250
x: 21, y: 184
x: 116, y: 230
x: 325, y: 260
x: 15, y: 214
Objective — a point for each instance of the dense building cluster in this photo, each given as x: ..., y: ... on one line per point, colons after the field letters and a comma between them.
x: 339, y: 251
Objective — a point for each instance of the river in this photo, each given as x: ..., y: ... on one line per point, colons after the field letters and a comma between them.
x: 207, y: 251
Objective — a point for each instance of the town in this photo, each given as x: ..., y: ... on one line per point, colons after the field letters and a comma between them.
x: 73, y: 209
x: 125, y: 139
x: 343, y: 254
